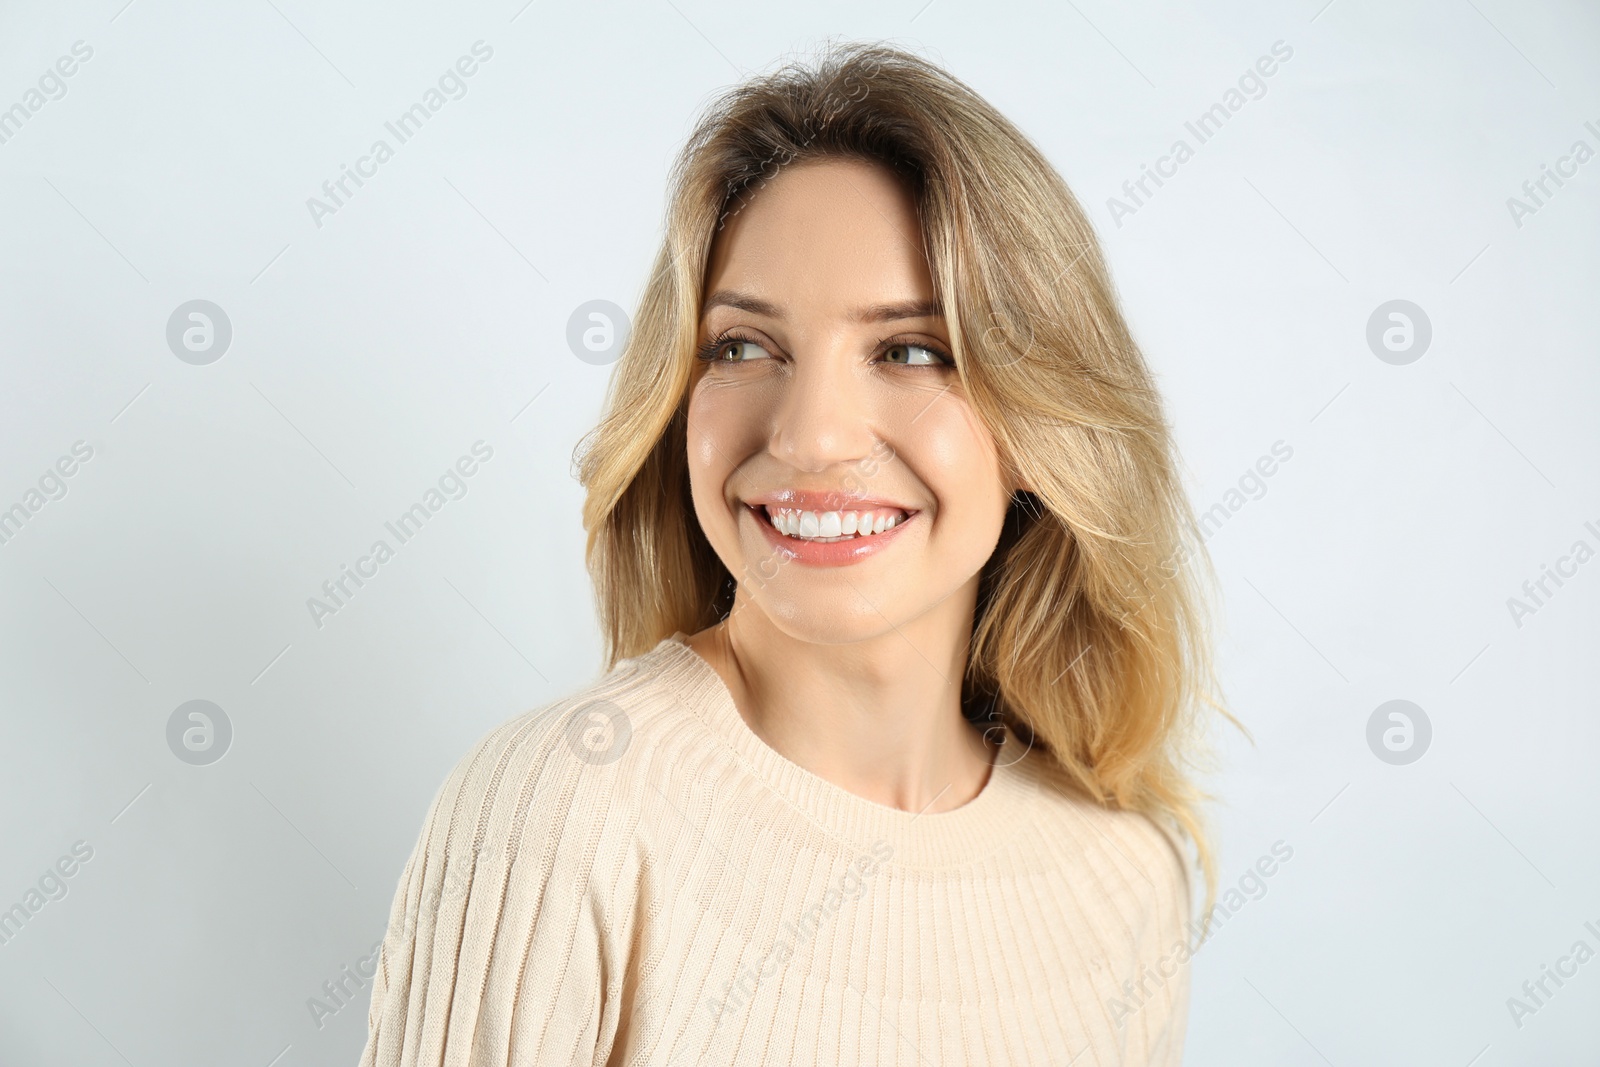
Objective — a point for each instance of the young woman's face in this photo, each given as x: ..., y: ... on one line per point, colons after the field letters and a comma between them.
x: 825, y: 394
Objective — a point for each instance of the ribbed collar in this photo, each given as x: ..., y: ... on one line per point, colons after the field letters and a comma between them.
x: 941, y: 839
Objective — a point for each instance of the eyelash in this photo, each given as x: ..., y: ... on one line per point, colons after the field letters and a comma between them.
x: 708, y: 351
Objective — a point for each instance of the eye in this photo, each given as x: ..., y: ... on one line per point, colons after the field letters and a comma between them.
x: 733, y: 350
x: 911, y: 355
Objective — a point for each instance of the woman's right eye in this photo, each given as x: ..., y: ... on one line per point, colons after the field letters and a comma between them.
x: 737, y: 351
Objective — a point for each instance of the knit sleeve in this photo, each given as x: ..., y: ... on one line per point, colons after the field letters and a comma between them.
x: 498, y: 946
x: 1166, y: 949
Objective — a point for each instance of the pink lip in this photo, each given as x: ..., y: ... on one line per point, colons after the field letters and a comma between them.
x: 832, y: 554
x: 824, y: 500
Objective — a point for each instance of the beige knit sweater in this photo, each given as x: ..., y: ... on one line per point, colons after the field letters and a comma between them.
x: 631, y: 876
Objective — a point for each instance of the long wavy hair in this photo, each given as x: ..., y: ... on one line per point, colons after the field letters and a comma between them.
x: 1091, y: 633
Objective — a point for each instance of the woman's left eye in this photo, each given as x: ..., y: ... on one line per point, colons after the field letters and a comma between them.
x: 912, y: 355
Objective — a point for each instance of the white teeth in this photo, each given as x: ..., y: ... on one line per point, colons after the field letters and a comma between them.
x: 833, y: 525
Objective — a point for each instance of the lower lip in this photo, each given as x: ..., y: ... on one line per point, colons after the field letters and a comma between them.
x: 831, y: 553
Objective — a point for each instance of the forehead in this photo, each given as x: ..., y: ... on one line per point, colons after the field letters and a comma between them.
x: 833, y: 230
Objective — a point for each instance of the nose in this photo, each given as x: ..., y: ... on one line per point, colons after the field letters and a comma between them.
x: 825, y: 417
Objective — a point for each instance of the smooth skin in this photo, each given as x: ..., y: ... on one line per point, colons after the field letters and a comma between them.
x: 852, y: 672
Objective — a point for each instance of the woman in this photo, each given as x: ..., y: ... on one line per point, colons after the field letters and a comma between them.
x: 886, y: 533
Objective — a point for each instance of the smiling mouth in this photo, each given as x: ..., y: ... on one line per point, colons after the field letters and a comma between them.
x: 828, y: 527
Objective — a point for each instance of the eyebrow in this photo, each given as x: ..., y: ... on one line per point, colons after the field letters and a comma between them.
x: 906, y: 309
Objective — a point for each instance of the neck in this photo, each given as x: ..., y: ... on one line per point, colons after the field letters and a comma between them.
x: 879, y: 717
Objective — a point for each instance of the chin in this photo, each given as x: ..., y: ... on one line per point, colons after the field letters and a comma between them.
x: 835, y: 616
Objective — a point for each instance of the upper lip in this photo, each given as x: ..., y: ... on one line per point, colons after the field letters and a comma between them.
x: 821, y: 500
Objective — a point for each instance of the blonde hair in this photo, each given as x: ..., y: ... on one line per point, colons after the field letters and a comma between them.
x: 1090, y: 635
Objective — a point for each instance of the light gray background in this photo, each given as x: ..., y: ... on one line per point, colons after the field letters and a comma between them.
x: 431, y: 312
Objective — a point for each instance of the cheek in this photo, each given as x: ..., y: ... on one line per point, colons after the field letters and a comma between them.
x: 701, y: 443
x: 706, y: 471
x: 705, y: 425
x: 720, y: 432
x: 728, y: 421
x: 953, y: 454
